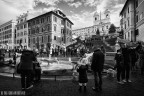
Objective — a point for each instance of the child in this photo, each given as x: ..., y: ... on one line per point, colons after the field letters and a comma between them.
x: 82, y: 70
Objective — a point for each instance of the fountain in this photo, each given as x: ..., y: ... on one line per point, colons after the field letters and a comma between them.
x: 55, y: 67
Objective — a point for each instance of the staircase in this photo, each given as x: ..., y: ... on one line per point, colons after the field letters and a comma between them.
x: 100, y: 43
x: 111, y: 41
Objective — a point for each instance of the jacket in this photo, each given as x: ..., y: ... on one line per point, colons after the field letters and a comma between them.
x: 97, y: 61
x: 26, y: 60
x: 83, y: 73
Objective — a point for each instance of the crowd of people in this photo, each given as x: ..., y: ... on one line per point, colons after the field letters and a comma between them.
x: 126, y: 60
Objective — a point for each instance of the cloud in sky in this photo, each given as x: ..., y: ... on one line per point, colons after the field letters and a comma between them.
x: 82, y: 20
x: 90, y: 2
x: 80, y: 12
x: 76, y: 4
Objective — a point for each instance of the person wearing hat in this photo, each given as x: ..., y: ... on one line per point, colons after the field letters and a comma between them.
x: 82, y: 70
x: 97, y: 68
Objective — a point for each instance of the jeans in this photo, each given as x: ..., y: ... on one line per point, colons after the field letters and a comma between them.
x: 26, y: 78
x: 126, y: 72
x: 98, y: 79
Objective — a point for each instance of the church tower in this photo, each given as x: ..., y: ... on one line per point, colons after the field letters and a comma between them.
x: 96, y: 18
x: 107, y: 15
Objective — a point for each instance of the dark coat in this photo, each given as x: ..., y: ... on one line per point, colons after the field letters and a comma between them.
x: 119, y: 60
x: 97, y: 61
x: 27, y: 59
x: 126, y: 56
x: 83, y: 73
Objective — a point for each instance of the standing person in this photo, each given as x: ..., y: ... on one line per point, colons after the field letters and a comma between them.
x: 140, y: 51
x: 97, y: 68
x: 26, y: 67
x: 133, y: 58
x: 14, y: 58
x: 119, y: 65
x: 82, y: 70
x: 126, y: 68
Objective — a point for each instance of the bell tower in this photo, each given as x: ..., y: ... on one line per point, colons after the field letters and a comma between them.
x: 96, y: 18
x: 107, y: 14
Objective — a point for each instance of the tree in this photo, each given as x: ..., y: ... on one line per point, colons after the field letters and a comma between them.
x: 112, y: 29
x: 97, y: 32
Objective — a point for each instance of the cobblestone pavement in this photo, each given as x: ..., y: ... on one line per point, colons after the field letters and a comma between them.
x: 68, y: 88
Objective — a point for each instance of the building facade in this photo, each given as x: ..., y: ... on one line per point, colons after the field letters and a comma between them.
x: 132, y: 22
x: 127, y: 21
x: 101, y: 23
x: 7, y: 34
x: 139, y: 20
x: 22, y: 31
x: 50, y: 30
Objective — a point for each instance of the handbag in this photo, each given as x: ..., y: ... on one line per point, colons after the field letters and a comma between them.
x: 75, y: 77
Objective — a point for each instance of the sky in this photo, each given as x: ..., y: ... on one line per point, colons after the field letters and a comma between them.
x: 80, y: 12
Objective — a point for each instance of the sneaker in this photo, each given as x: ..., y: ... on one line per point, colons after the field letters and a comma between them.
x: 29, y: 87
x: 129, y: 81
x: 120, y: 82
x: 124, y: 81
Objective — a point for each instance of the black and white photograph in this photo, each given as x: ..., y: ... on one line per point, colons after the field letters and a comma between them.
x: 71, y: 47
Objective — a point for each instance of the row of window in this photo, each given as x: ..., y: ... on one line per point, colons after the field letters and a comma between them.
x: 22, y: 34
x: 21, y: 27
x: 24, y: 40
x: 39, y: 20
x: 6, y: 36
x: 6, y: 32
x: 5, y: 28
x: 4, y: 42
x: 39, y: 39
x: 38, y: 30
